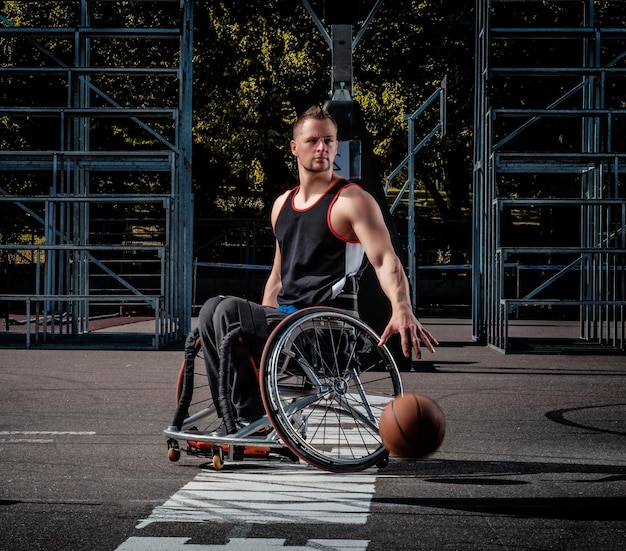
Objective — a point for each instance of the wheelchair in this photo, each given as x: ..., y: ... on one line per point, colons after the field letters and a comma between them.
x: 324, y: 383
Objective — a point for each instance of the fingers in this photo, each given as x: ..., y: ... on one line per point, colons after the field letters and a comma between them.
x: 416, y: 346
x: 385, y: 336
x: 410, y: 337
x: 406, y: 344
x: 428, y: 340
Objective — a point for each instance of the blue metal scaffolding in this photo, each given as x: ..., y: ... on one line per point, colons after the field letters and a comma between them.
x: 109, y: 222
x: 557, y: 159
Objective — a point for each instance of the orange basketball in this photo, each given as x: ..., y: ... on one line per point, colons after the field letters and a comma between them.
x: 412, y: 426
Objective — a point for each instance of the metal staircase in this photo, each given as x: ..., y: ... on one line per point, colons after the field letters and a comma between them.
x: 558, y: 163
x: 97, y: 207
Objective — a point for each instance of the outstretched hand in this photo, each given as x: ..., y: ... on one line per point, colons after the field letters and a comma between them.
x: 411, y: 332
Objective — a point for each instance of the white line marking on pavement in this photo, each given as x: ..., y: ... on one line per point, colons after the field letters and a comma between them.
x: 38, y: 433
x: 238, y: 544
x: 26, y: 441
x: 45, y: 433
x: 286, y: 494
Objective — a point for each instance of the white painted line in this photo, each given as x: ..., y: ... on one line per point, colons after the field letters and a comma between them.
x: 26, y: 441
x: 45, y: 433
x: 38, y: 433
x: 284, y: 494
x: 239, y: 544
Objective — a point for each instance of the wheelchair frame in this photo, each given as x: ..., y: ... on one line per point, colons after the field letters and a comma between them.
x: 324, y: 383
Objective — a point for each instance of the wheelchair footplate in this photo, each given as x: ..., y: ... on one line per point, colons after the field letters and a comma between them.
x: 246, y: 443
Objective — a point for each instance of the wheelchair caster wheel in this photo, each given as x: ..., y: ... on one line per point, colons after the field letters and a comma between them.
x: 384, y: 462
x: 173, y: 451
x: 218, y: 458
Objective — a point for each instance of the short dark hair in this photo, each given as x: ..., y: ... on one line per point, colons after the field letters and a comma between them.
x: 314, y: 112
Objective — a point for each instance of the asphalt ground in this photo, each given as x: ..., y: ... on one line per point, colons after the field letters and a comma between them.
x: 533, y: 458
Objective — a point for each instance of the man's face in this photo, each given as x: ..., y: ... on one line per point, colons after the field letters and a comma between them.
x: 315, y: 145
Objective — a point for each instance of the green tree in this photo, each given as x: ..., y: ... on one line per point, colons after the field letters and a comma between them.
x: 256, y: 65
x: 409, y: 48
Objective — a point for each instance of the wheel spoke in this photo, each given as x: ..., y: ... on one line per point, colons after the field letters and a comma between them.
x: 325, y: 383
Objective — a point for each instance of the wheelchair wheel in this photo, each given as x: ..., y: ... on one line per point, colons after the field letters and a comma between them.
x: 325, y: 383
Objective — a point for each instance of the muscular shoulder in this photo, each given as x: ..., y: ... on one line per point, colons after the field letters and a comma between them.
x: 354, y: 201
x: 354, y: 206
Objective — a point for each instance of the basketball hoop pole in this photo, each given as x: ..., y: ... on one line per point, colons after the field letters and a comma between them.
x: 341, y: 16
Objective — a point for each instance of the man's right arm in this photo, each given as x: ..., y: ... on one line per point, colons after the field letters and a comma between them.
x: 273, y: 284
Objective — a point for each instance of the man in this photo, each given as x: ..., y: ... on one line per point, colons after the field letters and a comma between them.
x: 323, y: 228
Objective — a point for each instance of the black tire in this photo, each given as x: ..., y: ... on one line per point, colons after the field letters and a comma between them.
x: 325, y: 383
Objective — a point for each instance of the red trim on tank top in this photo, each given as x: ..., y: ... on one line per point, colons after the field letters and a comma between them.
x: 296, y: 189
x: 292, y: 192
x: 330, y: 207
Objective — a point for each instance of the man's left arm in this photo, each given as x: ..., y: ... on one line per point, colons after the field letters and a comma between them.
x: 369, y: 227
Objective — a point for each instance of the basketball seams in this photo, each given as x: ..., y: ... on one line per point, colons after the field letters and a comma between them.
x: 398, y: 425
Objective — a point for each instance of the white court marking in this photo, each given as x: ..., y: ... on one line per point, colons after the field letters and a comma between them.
x: 32, y: 433
x: 45, y: 433
x: 270, y: 494
x: 26, y: 441
x: 284, y: 494
x: 239, y: 544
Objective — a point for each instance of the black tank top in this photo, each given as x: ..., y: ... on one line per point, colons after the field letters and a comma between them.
x: 315, y: 260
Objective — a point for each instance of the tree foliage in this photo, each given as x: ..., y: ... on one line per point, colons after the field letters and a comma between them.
x: 256, y: 66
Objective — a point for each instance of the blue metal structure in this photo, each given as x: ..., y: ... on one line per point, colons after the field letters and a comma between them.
x: 438, y: 97
x: 549, y: 148
x: 109, y: 223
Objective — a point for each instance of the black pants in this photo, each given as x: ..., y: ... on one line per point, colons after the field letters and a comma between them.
x: 219, y: 316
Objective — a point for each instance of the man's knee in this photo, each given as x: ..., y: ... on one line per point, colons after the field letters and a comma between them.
x: 205, y: 317
x: 222, y: 314
x: 227, y: 310
x: 220, y: 311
